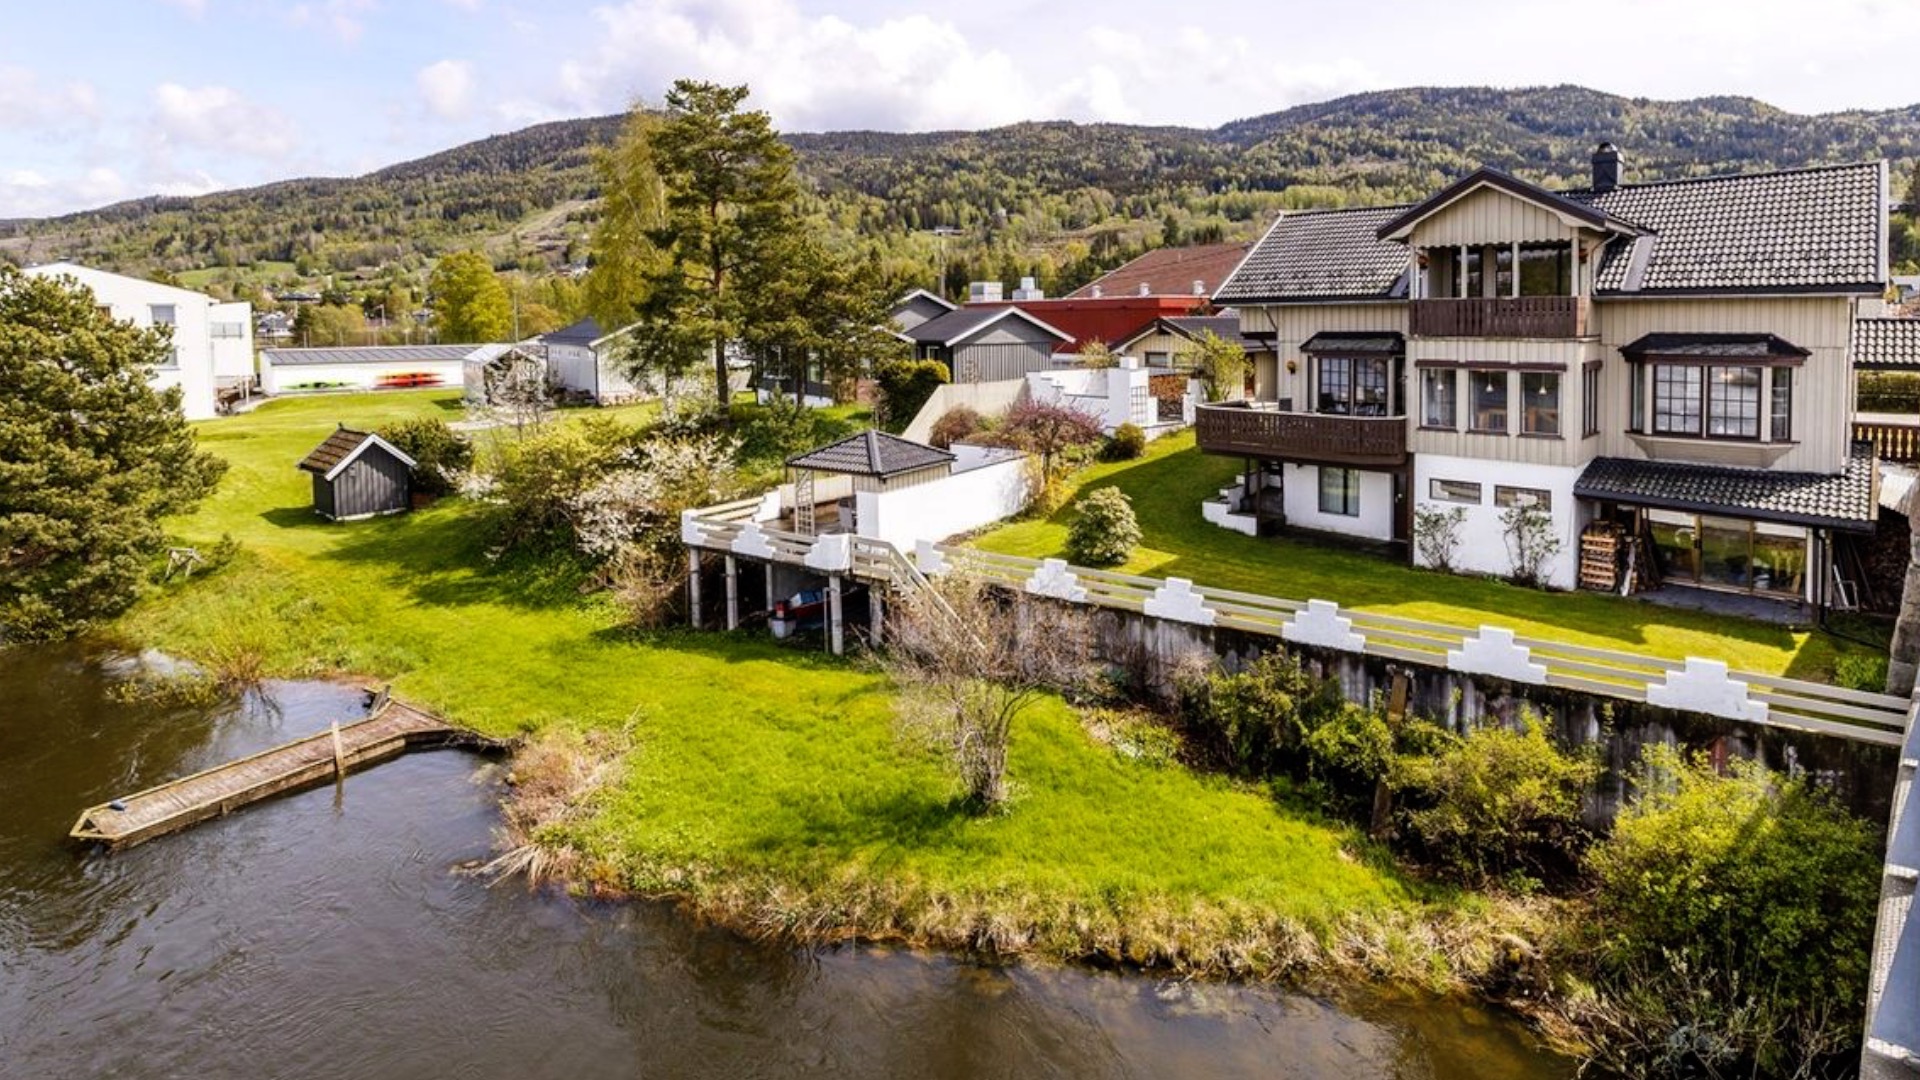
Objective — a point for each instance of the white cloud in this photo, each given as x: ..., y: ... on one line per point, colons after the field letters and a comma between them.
x: 343, y: 18
x: 28, y: 102
x: 447, y: 87
x: 195, y: 8
x: 218, y: 118
x: 26, y: 178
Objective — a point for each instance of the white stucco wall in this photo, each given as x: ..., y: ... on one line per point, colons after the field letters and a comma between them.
x: 131, y: 300
x: 1302, y: 501
x: 1483, y: 547
x: 985, y: 398
x: 958, y: 503
x: 278, y: 380
x: 232, y: 356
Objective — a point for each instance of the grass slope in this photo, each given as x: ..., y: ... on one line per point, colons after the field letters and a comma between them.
x: 1168, y: 484
x: 765, y: 781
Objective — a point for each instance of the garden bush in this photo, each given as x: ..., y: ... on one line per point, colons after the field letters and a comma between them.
x: 1497, y: 804
x: 955, y: 425
x: 1251, y: 722
x: 1126, y: 443
x: 542, y: 477
x: 1104, y: 531
x: 904, y: 386
x: 1738, y: 916
x: 441, y: 455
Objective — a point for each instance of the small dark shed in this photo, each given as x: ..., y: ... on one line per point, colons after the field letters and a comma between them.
x: 357, y: 474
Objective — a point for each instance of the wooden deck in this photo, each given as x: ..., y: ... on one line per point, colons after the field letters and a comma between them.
x: 390, y: 730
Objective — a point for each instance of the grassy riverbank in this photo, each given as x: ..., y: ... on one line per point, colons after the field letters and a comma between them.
x: 1167, y: 485
x: 766, y: 784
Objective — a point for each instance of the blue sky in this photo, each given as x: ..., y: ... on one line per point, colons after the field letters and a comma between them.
x: 102, y: 100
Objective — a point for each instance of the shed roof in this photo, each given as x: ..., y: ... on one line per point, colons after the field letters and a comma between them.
x: 1844, y: 501
x: 585, y: 332
x: 343, y: 446
x: 1886, y: 344
x: 872, y: 453
x: 958, y: 325
x: 367, y: 354
x: 1355, y: 343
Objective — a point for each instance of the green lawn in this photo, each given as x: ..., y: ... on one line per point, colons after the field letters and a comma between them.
x: 765, y: 778
x: 1169, y: 483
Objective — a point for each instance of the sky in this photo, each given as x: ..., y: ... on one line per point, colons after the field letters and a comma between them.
x: 102, y: 100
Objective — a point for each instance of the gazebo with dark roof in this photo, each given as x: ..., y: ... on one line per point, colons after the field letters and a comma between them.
x: 869, y: 461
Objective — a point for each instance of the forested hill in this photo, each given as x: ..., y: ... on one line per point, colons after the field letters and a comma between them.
x: 1057, y: 198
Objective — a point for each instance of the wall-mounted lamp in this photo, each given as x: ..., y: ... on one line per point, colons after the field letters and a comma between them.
x: 1293, y: 367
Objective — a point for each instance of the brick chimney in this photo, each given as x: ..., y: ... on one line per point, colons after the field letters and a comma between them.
x: 1606, y: 167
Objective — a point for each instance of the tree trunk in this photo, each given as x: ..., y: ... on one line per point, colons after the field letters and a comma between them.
x: 1904, y: 659
x: 722, y: 387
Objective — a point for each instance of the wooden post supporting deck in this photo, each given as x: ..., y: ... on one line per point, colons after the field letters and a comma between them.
x: 733, y: 593
x: 877, y: 611
x: 836, y: 629
x: 771, y: 599
x: 693, y: 587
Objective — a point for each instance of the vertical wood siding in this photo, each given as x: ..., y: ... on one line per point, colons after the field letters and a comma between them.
x: 1491, y: 217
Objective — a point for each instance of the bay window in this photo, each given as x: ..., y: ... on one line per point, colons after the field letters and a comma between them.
x: 1352, y: 386
x: 1782, y: 412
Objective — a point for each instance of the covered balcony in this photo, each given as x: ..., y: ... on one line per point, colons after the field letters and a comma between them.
x: 1514, y: 290
x: 1502, y: 317
x: 1267, y: 431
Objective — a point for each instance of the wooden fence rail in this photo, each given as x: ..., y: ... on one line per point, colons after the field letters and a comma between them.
x: 1693, y: 684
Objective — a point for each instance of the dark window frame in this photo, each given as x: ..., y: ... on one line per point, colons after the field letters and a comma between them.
x: 1592, y: 387
x: 1506, y: 496
x: 1452, y: 383
x: 1474, y: 409
x: 1528, y: 414
x: 1349, y: 491
x: 1434, y: 492
x: 1353, y: 375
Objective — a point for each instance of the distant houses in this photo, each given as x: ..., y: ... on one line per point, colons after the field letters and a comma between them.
x: 212, y: 340
x: 583, y: 363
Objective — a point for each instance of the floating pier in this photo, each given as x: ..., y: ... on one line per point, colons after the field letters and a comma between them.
x: 389, y: 730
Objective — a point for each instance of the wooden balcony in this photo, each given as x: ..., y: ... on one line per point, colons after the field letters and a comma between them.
x: 1261, y: 430
x: 1896, y: 440
x: 1502, y: 317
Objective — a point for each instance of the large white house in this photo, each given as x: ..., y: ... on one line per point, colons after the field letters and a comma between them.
x: 212, y: 341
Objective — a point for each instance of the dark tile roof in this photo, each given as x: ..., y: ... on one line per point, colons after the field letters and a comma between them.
x: 1321, y: 255
x: 1714, y: 346
x: 1886, y: 344
x: 337, y: 448
x: 1169, y: 272
x: 1803, y: 229
x: 1355, y: 343
x: 367, y: 354
x: 585, y: 332
x: 1845, y: 501
x: 957, y: 324
x: 871, y: 453
x: 1225, y: 326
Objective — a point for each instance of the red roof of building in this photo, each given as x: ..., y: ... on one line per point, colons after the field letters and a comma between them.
x: 1169, y: 272
x: 1110, y: 319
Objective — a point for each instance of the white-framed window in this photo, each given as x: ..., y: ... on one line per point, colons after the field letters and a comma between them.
x: 1339, y: 491
x: 1505, y: 496
x: 1439, y: 398
x: 229, y: 330
x: 161, y: 314
x: 1454, y: 491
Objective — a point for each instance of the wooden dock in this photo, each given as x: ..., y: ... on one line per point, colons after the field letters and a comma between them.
x: 390, y: 729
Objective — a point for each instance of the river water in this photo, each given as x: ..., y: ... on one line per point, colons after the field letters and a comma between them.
x: 329, y: 935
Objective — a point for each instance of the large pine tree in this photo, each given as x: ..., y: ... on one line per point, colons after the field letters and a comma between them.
x: 92, y: 458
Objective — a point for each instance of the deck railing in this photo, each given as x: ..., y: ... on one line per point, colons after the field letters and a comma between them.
x: 1696, y: 685
x: 1894, y: 440
x: 1260, y: 430
x: 1502, y: 317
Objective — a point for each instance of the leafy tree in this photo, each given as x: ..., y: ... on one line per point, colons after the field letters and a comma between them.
x: 732, y: 213
x: 92, y: 458
x: 1104, y: 530
x: 1220, y: 364
x: 1052, y: 431
x: 633, y: 208
x: 329, y: 324
x: 1911, y: 207
x: 1095, y: 355
x: 441, y: 455
x: 905, y: 386
x: 469, y: 301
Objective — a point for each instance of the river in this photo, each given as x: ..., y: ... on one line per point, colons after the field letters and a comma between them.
x: 330, y: 935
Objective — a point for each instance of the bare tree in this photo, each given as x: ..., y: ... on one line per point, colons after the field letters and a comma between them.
x: 969, y: 659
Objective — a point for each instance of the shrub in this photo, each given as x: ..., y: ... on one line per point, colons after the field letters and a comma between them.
x: 1126, y: 443
x: 1738, y: 914
x: 954, y: 426
x: 904, y: 386
x: 1104, y: 530
x: 441, y: 455
x: 1861, y: 671
x: 1348, y: 752
x: 1436, y: 534
x: 1497, y: 803
x: 1251, y: 722
x: 542, y: 478
x: 1530, y: 541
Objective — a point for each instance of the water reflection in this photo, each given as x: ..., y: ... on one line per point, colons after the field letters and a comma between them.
x: 326, y: 935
